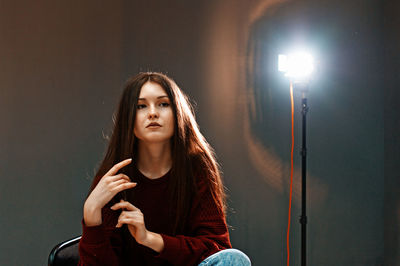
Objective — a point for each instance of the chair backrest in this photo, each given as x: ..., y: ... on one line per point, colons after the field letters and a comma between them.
x: 65, y: 253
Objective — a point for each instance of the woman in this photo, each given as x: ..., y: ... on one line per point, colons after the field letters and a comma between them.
x: 157, y: 198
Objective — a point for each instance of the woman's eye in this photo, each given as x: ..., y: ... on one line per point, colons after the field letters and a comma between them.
x: 140, y: 106
x: 164, y: 104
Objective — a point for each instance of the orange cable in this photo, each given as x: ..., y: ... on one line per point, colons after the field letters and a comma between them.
x: 291, y: 171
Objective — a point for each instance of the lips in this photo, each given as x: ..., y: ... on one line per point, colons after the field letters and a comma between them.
x: 153, y: 124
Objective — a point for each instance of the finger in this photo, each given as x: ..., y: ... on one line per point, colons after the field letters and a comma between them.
x: 130, y: 214
x: 121, y: 181
x: 124, y: 205
x: 129, y: 221
x: 123, y: 186
x: 118, y: 166
x: 121, y: 176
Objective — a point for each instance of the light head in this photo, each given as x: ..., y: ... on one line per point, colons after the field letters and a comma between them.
x: 297, y: 66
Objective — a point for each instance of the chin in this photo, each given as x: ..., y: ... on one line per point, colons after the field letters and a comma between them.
x: 155, y: 139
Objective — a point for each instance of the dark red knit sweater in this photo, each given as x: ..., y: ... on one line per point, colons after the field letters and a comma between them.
x: 207, y: 232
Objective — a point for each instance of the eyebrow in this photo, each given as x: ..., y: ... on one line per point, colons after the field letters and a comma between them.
x: 159, y: 97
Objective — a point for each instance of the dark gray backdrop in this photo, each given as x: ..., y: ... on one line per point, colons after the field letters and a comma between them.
x: 62, y: 66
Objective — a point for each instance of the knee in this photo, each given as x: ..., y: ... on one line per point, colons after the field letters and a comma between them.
x: 235, y: 257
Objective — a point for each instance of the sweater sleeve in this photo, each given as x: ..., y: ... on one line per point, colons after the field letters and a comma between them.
x: 208, y: 233
x: 102, y: 244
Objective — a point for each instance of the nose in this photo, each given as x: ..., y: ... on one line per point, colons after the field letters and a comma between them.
x: 153, y: 112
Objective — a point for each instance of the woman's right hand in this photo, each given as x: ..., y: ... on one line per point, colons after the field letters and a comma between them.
x: 109, y: 185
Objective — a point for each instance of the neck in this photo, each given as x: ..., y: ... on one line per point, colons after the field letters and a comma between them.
x: 154, y: 159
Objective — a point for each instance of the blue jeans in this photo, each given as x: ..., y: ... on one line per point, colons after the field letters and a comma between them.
x: 227, y: 257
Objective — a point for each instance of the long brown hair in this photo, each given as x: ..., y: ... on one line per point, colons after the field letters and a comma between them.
x: 191, y: 154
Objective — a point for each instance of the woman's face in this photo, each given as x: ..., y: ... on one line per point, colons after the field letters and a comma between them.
x: 154, y: 116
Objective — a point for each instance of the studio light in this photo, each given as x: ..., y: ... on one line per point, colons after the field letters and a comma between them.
x: 298, y: 66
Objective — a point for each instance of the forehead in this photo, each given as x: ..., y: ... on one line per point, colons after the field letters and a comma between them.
x: 151, y: 90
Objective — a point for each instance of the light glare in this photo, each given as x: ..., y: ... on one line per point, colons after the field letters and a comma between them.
x: 296, y: 65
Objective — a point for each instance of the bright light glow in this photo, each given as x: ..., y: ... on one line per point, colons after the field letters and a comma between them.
x: 298, y: 65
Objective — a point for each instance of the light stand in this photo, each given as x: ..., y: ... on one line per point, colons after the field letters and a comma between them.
x: 303, y: 217
x: 298, y: 67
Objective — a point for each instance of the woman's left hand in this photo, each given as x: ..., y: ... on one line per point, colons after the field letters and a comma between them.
x: 132, y: 217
